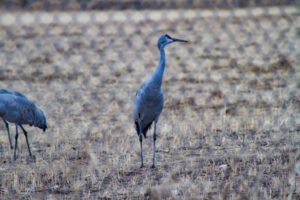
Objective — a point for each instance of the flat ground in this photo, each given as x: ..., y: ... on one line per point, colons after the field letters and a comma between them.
x: 229, y: 129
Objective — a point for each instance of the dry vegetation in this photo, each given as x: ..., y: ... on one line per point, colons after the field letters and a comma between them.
x: 229, y: 129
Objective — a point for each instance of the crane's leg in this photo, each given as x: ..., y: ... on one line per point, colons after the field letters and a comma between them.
x: 154, y: 140
x: 25, y: 133
x: 16, y: 142
x: 141, y: 143
x: 7, y: 128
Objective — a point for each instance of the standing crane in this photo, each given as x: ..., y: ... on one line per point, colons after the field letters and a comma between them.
x: 17, y: 109
x: 149, y: 99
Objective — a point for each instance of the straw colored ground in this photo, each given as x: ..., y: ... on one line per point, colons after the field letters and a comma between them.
x: 229, y: 129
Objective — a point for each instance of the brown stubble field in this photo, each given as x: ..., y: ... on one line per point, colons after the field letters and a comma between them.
x: 229, y: 128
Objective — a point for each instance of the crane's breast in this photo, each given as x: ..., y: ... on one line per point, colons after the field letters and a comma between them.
x: 153, y: 105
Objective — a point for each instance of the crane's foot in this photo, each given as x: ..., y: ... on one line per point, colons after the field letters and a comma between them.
x: 153, y: 166
x: 15, y: 157
x: 142, y: 166
x: 31, y: 158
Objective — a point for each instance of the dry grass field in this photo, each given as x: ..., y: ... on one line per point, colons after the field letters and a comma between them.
x: 230, y: 128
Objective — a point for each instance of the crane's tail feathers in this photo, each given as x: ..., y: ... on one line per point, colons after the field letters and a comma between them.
x: 144, y: 129
x: 137, y: 128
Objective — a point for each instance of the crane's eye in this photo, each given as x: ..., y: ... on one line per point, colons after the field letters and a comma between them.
x: 168, y: 36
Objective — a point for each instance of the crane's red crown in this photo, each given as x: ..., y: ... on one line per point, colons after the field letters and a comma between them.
x: 168, y: 36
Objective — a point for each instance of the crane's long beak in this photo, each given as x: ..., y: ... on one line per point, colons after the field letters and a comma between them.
x: 179, y: 40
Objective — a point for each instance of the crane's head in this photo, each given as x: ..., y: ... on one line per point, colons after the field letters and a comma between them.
x: 40, y: 119
x: 165, y: 39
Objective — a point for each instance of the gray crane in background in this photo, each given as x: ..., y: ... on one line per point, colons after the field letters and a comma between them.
x: 5, y: 91
x: 17, y: 109
x: 149, y: 99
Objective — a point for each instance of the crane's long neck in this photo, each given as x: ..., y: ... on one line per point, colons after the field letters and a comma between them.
x: 158, y: 73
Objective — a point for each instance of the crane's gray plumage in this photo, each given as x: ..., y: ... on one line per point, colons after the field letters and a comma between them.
x: 17, y: 109
x: 5, y: 91
x: 149, y: 99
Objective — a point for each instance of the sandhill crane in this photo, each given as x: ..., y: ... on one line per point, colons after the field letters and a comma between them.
x: 16, y: 108
x: 149, y: 99
x: 5, y: 91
